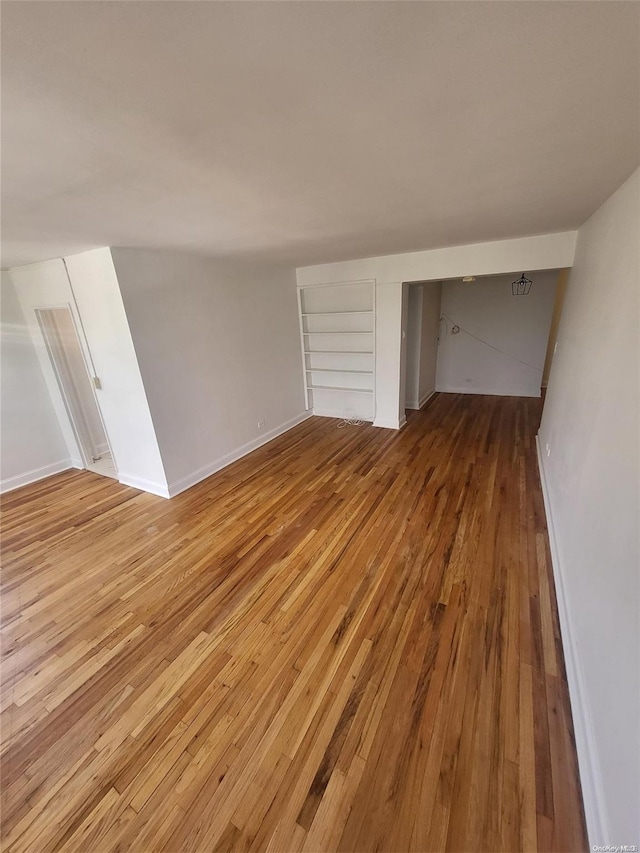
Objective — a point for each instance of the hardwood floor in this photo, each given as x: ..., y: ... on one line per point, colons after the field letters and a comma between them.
x: 345, y: 641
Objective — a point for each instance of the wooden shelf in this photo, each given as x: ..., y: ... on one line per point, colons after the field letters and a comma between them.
x: 339, y: 388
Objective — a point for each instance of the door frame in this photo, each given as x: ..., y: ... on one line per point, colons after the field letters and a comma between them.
x: 87, y: 459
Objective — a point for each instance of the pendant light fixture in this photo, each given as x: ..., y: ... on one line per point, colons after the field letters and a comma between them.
x: 521, y: 286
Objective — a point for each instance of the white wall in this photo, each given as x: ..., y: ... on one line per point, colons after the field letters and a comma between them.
x: 592, y: 484
x: 390, y: 352
x: 561, y: 289
x: 104, y: 333
x: 122, y: 396
x: 219, y: 350
x: 32, y: 444
x: 422, y: 342
x: 402, y: 414
x: 549, y: 251
x: 515, y: 328
x: 414, y: 342
x: 431, y: 308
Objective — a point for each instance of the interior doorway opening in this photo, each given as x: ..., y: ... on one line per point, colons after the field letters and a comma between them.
x: 77, y: 389
x: 483, y: 335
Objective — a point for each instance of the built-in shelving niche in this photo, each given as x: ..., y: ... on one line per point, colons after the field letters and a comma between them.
x: 337, y: 330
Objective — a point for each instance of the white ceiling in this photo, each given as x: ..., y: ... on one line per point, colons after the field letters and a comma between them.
x: 309, y: 132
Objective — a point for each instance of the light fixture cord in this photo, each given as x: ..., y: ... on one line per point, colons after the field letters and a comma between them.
x: 487, y: 344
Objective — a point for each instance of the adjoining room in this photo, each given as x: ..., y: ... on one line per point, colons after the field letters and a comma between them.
x: 481, y: 335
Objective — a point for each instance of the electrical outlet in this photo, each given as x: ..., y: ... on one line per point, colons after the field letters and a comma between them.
x: 260, y: 423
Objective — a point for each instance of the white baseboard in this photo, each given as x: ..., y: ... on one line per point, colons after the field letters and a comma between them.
x: 485, y: 392
x: 589, y: 765
x: 415, y: 406
x: 426, y: 398
x: 207, y: 470
x: 322, y: 412
x: 11, y: 483
x: 144, y: 485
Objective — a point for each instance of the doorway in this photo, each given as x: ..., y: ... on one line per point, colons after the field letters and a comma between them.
x: 77, y: 389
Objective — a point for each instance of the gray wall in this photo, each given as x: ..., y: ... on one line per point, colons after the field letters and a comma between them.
x: 219, y: 350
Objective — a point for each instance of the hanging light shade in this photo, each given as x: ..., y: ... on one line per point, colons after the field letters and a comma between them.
x: 521, y: 286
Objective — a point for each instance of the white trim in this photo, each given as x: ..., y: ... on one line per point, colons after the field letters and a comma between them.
x: 589, y: 765
x: 374, y: 287
x: 421, y: 402
x: 389, y: 424
x: 424, y: 400
x: 341, y: 413
x: 207, y: 470
x: 338, y: 283
x: 303, y: 351
x: 144, y: 485
x: 489, y: 392
x: 11, y: 483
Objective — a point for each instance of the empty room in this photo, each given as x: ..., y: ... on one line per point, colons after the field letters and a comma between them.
x: 320, y: 426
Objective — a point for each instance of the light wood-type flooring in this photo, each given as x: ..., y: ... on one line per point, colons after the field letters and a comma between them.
x: 347, y: 640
